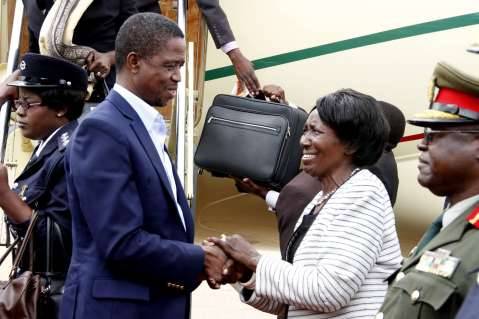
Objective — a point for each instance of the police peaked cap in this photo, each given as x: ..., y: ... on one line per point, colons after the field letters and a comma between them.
x: 41, y: 71
x: 454, y: 99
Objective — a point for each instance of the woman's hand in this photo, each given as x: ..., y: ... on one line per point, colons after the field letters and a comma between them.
x: 9, y: 92
x: 275, y: 93
x: 238, y: 249
x: 100, y: 63
x: 4, y: 187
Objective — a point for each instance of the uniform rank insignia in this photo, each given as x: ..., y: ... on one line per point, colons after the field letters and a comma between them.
x: 64, y: 138
x: 438, y: 263
x: 473, y: 217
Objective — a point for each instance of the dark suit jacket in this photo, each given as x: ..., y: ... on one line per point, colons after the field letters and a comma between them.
x: 294, y: 197
x: 217, y: 22
x: 132, y: 257
x: 215, y: 17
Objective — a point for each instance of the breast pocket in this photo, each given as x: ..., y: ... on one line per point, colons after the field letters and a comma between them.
x: 426, y: 293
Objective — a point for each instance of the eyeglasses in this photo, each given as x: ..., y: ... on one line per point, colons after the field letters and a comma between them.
x: 24, y: 104
x: 429, y: 133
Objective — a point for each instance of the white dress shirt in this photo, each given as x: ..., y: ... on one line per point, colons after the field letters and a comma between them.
x: 156, y: 127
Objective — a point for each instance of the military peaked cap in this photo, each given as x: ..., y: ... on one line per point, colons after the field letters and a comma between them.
x: 43, y: 71
x: 454, y: 101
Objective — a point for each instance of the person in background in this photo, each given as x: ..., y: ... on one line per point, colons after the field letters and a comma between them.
x: 97, y: 28
x: 48, y: 96
x: 345, y: 243
x: 133, y: 251
x: 435, y: 278
x: 223, y: 36
x: 293, y: 198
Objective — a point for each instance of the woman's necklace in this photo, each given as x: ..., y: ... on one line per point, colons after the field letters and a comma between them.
x: 318, y: 203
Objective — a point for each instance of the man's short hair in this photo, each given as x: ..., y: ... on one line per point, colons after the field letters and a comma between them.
x: 145, y: 34
x: 357, y: 121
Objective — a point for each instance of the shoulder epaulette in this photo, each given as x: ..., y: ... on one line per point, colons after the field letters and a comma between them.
x: 473, y: 217
x: 63, y: 141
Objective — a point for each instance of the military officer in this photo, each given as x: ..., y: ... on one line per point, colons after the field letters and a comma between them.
x: 48, y: 96
x: 435, y: 278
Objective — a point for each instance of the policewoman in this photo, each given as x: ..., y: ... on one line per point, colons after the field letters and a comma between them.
x: 49, y: 95
x: 435, y: 278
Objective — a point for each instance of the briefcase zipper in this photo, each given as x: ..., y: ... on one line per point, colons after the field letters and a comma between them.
x: 214, y: 118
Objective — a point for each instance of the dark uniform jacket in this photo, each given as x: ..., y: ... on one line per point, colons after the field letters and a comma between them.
x: 42, y: 186
x: 417, y: 294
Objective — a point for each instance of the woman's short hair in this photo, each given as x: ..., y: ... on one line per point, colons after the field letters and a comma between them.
x: 58, y: 99
x: 357, y: 121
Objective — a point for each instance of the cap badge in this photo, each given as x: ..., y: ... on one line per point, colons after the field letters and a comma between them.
x: 23, y: 65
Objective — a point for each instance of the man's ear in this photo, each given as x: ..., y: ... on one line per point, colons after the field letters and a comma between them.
x: 133, y: 62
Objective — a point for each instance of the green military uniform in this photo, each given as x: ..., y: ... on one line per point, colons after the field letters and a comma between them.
x: 420, y: 294
x: 434, y: 280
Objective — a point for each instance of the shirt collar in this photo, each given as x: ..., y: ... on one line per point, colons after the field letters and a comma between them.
x: 44, y: 143
x: 457, y: 209
x: 148, y: 115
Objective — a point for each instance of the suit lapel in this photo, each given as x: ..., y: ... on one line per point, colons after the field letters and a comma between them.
x: 144, y: 138
x: 452, y: 233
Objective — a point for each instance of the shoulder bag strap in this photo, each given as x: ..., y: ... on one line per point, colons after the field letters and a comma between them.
x: 24, y: 244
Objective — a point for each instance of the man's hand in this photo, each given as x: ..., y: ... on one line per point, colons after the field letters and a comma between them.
x: 238, y: 249
x: 9, y: 92
x: 215, y: 260
x: 246, y: 185
x: 244, y: 70
x: 275, y: 93
x: 100, y: 63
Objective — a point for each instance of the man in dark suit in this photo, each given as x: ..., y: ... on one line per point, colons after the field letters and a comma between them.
x: 222, y: 35
x: 133, y: 255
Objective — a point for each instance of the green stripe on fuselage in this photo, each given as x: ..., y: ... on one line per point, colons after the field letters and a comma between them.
x: 374, y: 38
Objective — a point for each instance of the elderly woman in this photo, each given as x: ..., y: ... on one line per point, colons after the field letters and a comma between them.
x: 345, y: 244
x: 49, y: 95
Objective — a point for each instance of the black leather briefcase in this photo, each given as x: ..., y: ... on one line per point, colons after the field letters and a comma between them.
x: 245, y: 137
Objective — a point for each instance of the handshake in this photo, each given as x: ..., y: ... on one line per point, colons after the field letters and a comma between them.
x: 228, y: 259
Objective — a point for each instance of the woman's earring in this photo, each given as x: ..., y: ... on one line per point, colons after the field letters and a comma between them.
x: 60, y: 114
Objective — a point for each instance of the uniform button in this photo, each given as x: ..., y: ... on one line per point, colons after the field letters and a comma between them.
x: 399, y: 276
x: 379, y: 315
x: 415, y: 295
